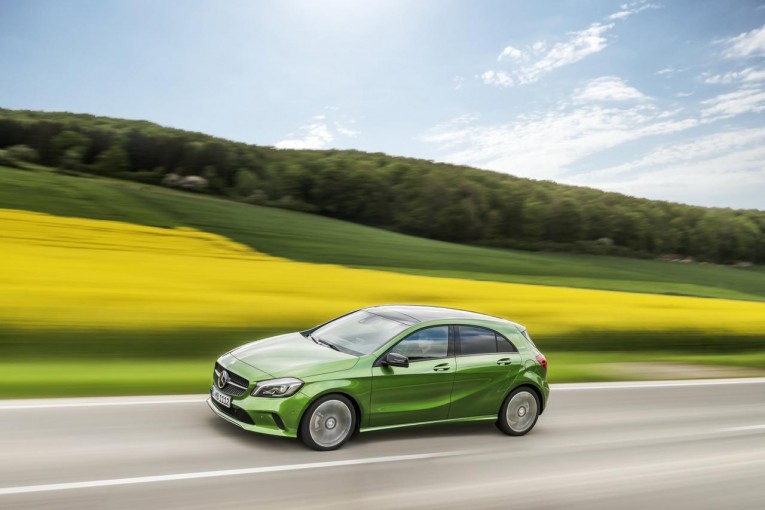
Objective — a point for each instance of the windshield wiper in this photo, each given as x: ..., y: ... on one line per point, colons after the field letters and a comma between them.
x: 324, y: 342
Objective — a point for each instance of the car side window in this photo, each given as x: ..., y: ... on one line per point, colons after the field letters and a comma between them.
x: 427, y: 343
x: 477, y: 340
x: 474, y: 340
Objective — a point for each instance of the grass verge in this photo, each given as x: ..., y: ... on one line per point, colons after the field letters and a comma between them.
x: 105, y: 377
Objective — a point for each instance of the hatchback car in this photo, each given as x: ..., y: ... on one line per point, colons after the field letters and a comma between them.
x: 383, y: 367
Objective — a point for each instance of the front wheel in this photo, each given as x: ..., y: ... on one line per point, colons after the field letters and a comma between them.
x: 519, y: 412
x: 328, y: 423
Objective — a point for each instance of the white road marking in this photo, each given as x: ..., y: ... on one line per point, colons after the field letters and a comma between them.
x: 214, y: 474
x: 744, y: 428
x: 8, y: 405
x: 575, y: 484
x: 654, y: 384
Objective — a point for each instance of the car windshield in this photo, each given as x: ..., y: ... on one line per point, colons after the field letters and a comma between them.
x: 358, y: 333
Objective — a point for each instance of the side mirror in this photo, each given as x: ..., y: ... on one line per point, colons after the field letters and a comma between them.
x: 396, y: 360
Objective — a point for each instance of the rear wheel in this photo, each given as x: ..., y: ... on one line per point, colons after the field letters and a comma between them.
x: 519, y: 412
x: 328, y: 423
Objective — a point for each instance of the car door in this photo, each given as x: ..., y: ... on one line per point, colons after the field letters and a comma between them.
x: 420, y: 392
x: 487, y: 364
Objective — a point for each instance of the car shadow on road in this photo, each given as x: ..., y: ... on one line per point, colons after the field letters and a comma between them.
x: 463, y: 430
x: 460, y: 432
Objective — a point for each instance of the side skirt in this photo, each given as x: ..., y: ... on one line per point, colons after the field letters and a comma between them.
x: 435, y: 422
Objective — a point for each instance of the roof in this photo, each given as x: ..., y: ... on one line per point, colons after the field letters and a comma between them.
x: 413, y: 314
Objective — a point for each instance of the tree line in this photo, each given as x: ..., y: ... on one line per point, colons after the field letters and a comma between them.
x: 413, y: 196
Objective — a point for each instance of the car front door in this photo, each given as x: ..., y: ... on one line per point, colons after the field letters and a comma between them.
x: 420, y: 392
x: 487, y: 364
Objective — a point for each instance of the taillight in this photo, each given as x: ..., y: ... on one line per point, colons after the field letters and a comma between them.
x: 542, y: 360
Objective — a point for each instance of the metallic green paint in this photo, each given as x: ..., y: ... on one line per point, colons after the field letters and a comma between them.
x: 292, y: 355
x: 417, y: 393
x: 481, y: 383
x: 461, y: 388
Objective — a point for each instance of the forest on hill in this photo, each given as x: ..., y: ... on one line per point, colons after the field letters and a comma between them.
x: 413, y: 196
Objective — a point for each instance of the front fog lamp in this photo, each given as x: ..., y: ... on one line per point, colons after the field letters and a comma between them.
x: 277, y: 387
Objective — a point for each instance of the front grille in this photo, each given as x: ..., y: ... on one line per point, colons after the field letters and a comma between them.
x: 236, y: 385
x: 235, y: 412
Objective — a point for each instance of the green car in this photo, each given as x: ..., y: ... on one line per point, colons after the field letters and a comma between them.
x: 383, y: 367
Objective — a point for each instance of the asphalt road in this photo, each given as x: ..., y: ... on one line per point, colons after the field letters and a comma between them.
x: 618, y: 446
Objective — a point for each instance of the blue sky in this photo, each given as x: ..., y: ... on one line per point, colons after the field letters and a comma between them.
x: 659, y: 99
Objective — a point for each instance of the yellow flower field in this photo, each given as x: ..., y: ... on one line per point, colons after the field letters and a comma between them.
x: 73, y: 272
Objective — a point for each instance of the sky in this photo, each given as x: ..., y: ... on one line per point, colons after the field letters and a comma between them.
x: 657, y: 99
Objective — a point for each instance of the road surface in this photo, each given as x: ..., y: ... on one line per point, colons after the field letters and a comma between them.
x: 689, y: 444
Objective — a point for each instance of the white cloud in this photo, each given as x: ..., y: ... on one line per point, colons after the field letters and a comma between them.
x: 545, y: 144
x: 746, y: 44
x: 537, y: 60
x: 748, y: 75
x: 745, y: 100
x: 345, y: 130
x: 579, y: 45
x: 510, y: 52
x: 312, y: 136
x: 619, y: 15
x: 720, y: 169
x: 319, y: 133
x: 608, y: 88
x: 723, y: 168
x: 627, y: 10
x: 681, y: 153
x: 669, y: 71
x: 458, y: 82
x: 500, y: 78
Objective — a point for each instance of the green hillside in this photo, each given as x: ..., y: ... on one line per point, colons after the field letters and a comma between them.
x: 313, y: 238
x: 418, y: 197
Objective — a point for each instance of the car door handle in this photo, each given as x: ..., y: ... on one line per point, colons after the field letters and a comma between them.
x: 504, y: 361
x: 443, y: 367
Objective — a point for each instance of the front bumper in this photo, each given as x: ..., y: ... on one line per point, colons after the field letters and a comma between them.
x: 273, y: 416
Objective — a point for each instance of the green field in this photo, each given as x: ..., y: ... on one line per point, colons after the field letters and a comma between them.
x: 81, y: 362
x: 313, y: 238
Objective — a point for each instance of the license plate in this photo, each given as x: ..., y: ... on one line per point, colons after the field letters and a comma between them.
x: 220, y: 398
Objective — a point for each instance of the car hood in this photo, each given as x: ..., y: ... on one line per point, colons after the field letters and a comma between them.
x: 293, y: 355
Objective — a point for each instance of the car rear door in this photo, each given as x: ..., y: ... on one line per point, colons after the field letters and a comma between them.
x: 487, y: 363
x: 420, y: 392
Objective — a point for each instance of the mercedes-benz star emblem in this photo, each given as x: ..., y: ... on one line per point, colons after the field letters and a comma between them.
x: 222, y: 379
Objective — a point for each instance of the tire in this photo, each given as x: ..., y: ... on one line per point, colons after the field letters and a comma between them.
x: 328, y: 423
x: 519, y: 412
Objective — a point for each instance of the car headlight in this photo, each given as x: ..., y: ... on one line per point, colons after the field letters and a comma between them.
x: 283, y: 387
